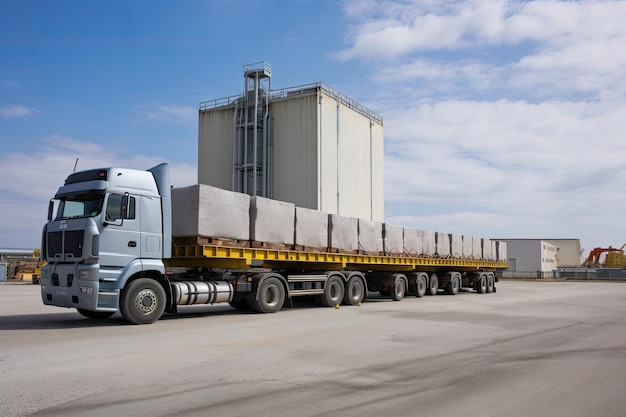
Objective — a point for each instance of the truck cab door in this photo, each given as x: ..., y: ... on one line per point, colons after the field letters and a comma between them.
x: 120, y: 238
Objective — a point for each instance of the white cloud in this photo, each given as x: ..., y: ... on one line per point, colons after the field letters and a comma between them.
x: 36, y: 176
x: 162, y: 111
x: 508, y: 168
x: 17, y: 110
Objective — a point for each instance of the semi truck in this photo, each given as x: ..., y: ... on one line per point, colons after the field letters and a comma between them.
x: 109, y: 246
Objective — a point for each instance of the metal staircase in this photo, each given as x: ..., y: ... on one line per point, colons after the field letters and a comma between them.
x: 252, y: 134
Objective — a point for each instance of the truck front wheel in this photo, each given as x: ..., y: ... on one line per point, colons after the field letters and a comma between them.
x: 143, y: 301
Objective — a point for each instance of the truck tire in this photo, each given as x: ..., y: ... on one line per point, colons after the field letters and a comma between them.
x: 481, y: 284
x: 453, y: 286
x: 491, y: 284
x: 95, y: 315
x: 333, y: 292
x: 143, y: 301
x: 354, y: 292
x: 433, y: 285
x: 270, y: 296
x: 422, y: 285
x: 398, y: 290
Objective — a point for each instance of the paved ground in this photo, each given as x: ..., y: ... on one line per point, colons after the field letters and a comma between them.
x: 531, y: 349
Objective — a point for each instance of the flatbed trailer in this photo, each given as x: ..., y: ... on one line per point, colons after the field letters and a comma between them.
x: 336, y: 278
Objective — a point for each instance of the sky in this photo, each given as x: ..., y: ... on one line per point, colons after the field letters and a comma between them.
x: 502, y: 119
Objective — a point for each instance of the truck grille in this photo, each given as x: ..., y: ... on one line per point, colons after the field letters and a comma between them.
x: 69, y: 242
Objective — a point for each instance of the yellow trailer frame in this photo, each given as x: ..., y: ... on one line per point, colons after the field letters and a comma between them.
x: 212, y: 256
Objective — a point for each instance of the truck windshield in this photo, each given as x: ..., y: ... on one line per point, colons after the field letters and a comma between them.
x: 84, y: 205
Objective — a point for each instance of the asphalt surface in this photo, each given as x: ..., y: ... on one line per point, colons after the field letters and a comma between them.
x: 531, y: 349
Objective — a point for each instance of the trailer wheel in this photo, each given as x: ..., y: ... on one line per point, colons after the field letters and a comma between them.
x: 491, y: 285
x: 481, y: 284
x: 433, y: 285
x: 453, y: 286
x: 354, y: 292
x: 333, y: 292
x: 270, y: 296
x: 398, y: 290
x: 95, y: 315
x: 143, y: 301
x: 422, y: 285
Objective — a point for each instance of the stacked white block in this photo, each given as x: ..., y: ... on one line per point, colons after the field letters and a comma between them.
x: 311, y: 228
x: 343, y: 233
x: 206, y: 211
x: 477, y: 248
x: 467, y: 247
x: 272, y: 221
x: 413, y: 241
x: 443, y: 244
x: 393, y: 239
x: 370, y: 236
x: 487, y: 249
x: 502, y: 252
x: 429, y: 242
x: 456, y: 246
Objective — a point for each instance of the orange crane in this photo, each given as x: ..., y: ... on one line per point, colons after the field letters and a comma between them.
x: 593, y: 260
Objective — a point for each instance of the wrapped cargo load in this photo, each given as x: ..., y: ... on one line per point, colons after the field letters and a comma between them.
x: 370, y: 237
x: 429, y: 242
x: 413, y: 242
x: 343, y: 234
x: 477, y: 248
x: 486, y: 249
x: 456, y: 246
x: 311, y: 229
x: 502, y: 252
x: 272, y: 221
x: 210, y: 212
x: 443, y: 245
x: 393, y: 239
x: 467, y: 247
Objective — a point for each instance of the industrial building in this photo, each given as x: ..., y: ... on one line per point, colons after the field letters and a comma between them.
x: 540, y: 258
x: 308, y: 145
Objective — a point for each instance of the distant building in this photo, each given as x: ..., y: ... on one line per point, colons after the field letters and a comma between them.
x: 539, y: 258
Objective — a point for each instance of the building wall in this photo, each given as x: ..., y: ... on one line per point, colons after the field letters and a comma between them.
x: 296, y: 150
x: 531, y: 255
x: 351, y: 163
x: 215, y: 147
x: 569, y: 252
x: 326, y: 156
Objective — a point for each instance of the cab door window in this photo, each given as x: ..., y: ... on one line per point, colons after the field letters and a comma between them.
x: 115, y: 210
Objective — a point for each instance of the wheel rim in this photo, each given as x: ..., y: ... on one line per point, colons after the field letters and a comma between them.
x: 355, y: 291
x: 400, y: 288
x: 146, y: 301
x: 271, y: 295
x: 334, y: 291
